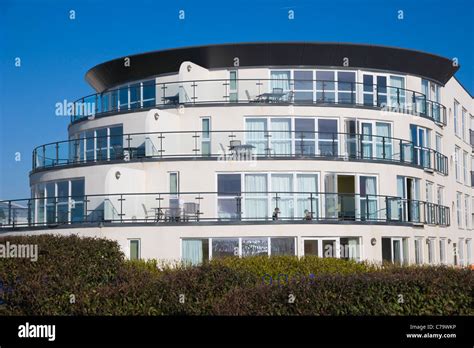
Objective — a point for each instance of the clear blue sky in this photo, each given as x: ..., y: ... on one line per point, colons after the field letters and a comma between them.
x: 56, y: 52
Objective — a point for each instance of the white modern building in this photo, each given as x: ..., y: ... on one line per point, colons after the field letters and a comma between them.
x: 337, y: 150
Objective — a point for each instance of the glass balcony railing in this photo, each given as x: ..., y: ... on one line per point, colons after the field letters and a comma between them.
x: 260, y: 92
x: 228, y: 207
x: 238, y: 145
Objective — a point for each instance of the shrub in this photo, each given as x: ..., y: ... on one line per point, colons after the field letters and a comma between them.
x: 65, y: 266
x: 104, y: 283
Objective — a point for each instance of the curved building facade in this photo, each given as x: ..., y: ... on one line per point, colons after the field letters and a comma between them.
x: 335, y: 150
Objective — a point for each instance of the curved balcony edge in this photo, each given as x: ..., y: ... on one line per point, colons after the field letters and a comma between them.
x: 245, y: 207
x: 249, y: 145
x: 260, y: 92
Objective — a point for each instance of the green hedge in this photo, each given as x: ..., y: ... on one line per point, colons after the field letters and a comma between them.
x: 103, y: 283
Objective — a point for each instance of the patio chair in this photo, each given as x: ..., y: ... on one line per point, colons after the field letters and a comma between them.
x: 191, y: 210
x: 149, y: 214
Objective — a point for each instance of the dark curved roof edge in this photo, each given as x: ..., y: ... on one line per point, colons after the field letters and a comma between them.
x: 143, y: 65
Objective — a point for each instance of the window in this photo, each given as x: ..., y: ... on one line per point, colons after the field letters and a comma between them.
x: 256, y: 131
x: 442, y: 251
x: 195, y: 251
x: 307, y: 202
x: 100, y: 144
x: 376, y: 139
x: 305, y: 137
x: 429, y: 192
x: 134, y: 249
x: 174, y: 182
x: 116, y: 142
x: 466, y: 210
x: 280, y: 81
x: 325, y: 87
x: 328, y: 140
x: 280, y: 136
x: 465, y: 168
x: 468, y: 251
x: 254, y: 246
x: 368, y: 198
x: 225, y: 247
x: 381, y: 91
x: 397, y: 92
x: 439, y: 194
x: 303, y: 86
x: 233, y: 92
x: 149, y: 93
x: 455, y: 120
x: 206, y: 136
x: 282, y: 246
x: 431, y: 251
x: 59, y: 202
x: 368, y: 90
x: 463, y: 124
x: 394, y: 250
x: 461, y: 251
x: 420, y: 137
x: 455, y: 254
x: 350, y: 249
x: 135, y: 96
x: 77, y: 200
x: 459, y: 209
x: 346, y: 87
x: 256, y: 196
x: 419, y: 251
x: 457, y: 159
x: 123, y: 98
x: 229, y: 196
x: 282, y: 196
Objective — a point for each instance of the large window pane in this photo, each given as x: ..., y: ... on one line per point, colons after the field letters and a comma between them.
x: 307, y: 205
x: 350, y: 248
x: 224, y: 247
x: 135, y: 96
x: 255, y: 134
x: 282, y: 246
x: 303, y: 86
x: 149, y: 93
x: 282, y: 185
x: 123, y: 98
x: 327, y: 133
x: 101, y: 136
x: 228, y: 184
x: 325, y: 87
x: 195, y: 251
x: 116, y: 142
x: 281, y: 136
x: 305, y: 136
x: 229, y: 196
x: 63, y: 201
x: 346, y: 87
x: 280, y: 81
x: 90, y: 145
x: 77, y: 200
x: 256, y: 199
x: 254, y: 246
x: 50, y: 202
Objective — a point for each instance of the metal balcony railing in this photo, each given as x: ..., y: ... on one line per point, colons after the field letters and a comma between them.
x: 148, y: 95
x: 238, y: 145
x: 220, y: 207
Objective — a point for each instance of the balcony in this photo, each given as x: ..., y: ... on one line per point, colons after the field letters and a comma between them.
x: 146, y: 95
x: 238, y: 145
x: 220, y: 208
